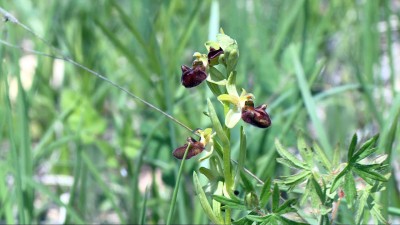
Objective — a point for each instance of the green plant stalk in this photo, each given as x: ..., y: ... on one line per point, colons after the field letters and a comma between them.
x: 176, y: 189
x: 77, y: 176
x: 144, y: 206
x: 15, y: 160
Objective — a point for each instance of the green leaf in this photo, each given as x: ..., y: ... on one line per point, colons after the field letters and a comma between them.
x: 288, y: 163
x: 265, y: 192
x: 287, y: 207
x: 204, y: 202
x: 366, y: 153
x: 335, y: 183
x: 275, y: 198
x: 214, y: 88
x: 231, y: 84
x: 256, y: 218
x: 217, y: 125
x: 292, y: 218
x: 208, y: 173
x: 370, y: 174
x: 366, y: 146
x: 352, y: 146
x: 296, y: 179
x: 360, y: 204
x: 287, y: 155
x: 318, y: 189
x: 304, y: 150
x: 216, y: 74
x: 349, y: 189
x: 322, y: 158
x: 376, y: 212
x: 248, y: 186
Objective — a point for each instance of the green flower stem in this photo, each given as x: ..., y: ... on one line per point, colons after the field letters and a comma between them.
x: 227, y: 216
x: 175, y: 193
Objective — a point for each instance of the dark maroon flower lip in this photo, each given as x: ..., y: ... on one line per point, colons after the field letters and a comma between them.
x: 191, y: 77
x: 256, y: 116
x: 214, y: 53
x: 195, y: 148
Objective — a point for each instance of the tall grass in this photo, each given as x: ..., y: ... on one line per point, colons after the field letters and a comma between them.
x: 319, y: 65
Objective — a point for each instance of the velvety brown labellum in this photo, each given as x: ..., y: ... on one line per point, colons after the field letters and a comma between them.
x: 191, y: 77
x: 214, y: 53
x: 213, y: 56
x: 256, y: 116
x: 195, y: 148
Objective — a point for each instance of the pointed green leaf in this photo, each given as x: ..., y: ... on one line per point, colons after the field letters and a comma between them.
x: 360, y: 204
x: 229, y: 203
x: 231, y: 85
x: 286, y: 154
x: 296, y: 179
x: 304, y: 150
x: 366, y: 146
x: 208, y: 173
x: 322, y: 158
x: 292, y: 219
x: 214, y: 88
x: 217, y: 125
x: 204, y: 202
x: 248, y: 186
x: 288, y: 163
x: 370, y: 174
x: 256, y: 218
x: 275, y: 198
x: 265, y: 192
x: 349, y: 189
x: 287, y: 206
x: 376, y: 212
x: 216, y: 74
x: 336, y: 181
x: 364, y: 154
x: 318, y: 189
x: 352, y: 147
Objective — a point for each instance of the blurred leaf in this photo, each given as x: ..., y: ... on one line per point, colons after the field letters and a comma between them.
x: 352, y: 147
x: 287, y: 155
x: 230, y: 203
x: 365, y: 150
x: 321, y: 158
x: 204, y: 202
x: 349, y: 189
x: 336, y: 181
x: 275, y: 198
x: 84, y: 120
x: 265, y: 192
x: 217, y: 125
x: 304, y: 151
x: 247, y: 185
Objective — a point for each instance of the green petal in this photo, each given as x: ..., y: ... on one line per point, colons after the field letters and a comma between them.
x: 232, y: 118
x: 229, y: 98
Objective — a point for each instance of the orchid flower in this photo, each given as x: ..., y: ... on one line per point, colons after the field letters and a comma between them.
x: 238, y: 103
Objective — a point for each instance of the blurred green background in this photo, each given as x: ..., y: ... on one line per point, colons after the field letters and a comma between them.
x: 74, y: 149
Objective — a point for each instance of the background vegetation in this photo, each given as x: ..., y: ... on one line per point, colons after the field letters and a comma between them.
x: 74, y: 149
